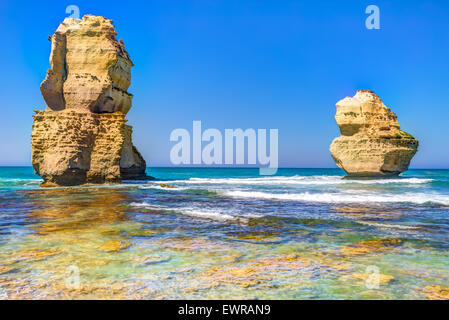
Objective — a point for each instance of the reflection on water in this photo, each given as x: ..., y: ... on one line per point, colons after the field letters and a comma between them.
x: 151, y: 242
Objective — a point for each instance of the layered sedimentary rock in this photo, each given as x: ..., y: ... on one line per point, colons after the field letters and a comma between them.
x: 82, y: 136
x: 90, y: 69
x: 371, y: 142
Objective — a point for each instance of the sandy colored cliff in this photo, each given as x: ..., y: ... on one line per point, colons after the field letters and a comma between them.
x: 82, y: 136
x: 371, y: 142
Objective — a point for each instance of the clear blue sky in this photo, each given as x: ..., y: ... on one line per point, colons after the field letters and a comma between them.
x: 247, y: 64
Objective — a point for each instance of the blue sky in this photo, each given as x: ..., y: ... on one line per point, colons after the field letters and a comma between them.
x: 246, y: 64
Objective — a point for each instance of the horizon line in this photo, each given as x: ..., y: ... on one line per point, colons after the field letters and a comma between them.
x: 228, y: 167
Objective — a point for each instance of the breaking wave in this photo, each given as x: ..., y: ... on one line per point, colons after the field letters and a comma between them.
x: 299, y: 180
x: 345, y: 197
x: 198, y: 212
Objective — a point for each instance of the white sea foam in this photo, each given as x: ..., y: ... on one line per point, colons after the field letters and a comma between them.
x: 209, y: 214
x: 18, y: 180
x: 388, y: 226
x: 143, y: 204
x: 198, y: 212
x: 158, y: 187
x: 299, y: 180
x: 344, y: 197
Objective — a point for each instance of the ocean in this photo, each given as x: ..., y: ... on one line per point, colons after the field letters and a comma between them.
x: 221, y: 233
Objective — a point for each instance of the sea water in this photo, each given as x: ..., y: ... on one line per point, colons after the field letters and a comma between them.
x: 220, y: 233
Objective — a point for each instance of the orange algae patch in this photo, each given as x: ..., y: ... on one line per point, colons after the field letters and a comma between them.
x: 328, y: 259
x: 99, y: 290
x: 258, y: 238
x: 369, y: 246
x: 33, y: 254
x: 145, y: 232
x: 254, y: 273
x: 5, y: 269
x: 189, y: 244
x: 163, y: 185
x: 113, y: 246
x: 358, y: 212
x: 435, y: 292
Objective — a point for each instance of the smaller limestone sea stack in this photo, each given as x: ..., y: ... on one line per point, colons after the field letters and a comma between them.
x: 371, y: 142
x: 82, y: 136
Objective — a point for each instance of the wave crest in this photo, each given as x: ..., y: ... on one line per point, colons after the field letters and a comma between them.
x: 344, y: 197
x: 299, y: 180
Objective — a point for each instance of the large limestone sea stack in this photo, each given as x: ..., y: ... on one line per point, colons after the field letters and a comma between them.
x: 82, y: 136
x: 371, y: 142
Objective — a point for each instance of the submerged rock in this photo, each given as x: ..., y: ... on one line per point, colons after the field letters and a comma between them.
x: 113, y: 246
x: 435, y: 292
x: 370, y: 246
x: 82, y: 136
x: 371, y: 142
x: 163, y: 185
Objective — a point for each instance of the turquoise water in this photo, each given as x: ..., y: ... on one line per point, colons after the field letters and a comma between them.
x: 201, y: 233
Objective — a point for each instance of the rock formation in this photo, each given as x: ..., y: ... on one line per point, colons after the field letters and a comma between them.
x: 82, y: 136
x: 371, y: 142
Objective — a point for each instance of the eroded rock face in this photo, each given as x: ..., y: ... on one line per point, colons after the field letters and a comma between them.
x: 371, y: 142
x: 82, y: 137
x: 90, y: 69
